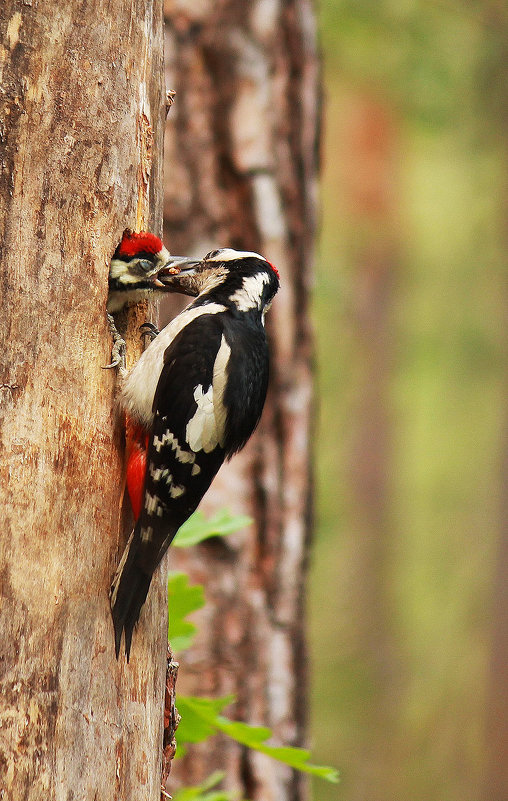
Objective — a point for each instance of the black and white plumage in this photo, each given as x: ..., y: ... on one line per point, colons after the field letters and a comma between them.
x: 133, y: 276
x: 134, y: 268
x: 198, y: 391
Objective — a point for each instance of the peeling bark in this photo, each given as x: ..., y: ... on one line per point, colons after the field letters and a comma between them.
x: 171, y: 720
x: 82, y: 111
x: 241, y: 163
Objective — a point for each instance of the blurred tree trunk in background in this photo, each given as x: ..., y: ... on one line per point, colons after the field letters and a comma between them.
x: 370, y: 196
x: 81, y: 130
x: 241, y: 163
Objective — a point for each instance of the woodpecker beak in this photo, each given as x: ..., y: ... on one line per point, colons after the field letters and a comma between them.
x: 178, y: 275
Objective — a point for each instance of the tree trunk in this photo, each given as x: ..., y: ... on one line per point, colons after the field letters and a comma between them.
x: 241, y: 154
x: 82, y: 124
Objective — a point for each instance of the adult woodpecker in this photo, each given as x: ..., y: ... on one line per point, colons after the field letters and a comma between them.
x: 133, y: 276
x: 196, y: 395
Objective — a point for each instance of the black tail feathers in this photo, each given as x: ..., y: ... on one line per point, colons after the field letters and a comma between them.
x: 128, y: 594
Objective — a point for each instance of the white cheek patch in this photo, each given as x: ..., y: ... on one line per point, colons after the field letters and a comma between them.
x: 120, y: 269
x: 250, y: 294
x: 205, y: 430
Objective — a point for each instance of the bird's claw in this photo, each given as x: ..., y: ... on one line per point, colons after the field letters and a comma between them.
x: 149, y: 330
x: 117, y: 356
x: 118, y: 350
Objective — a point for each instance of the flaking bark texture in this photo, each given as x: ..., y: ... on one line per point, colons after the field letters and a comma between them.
x: 82, y: 109
x: 171, y: 720
x: 241, y: 162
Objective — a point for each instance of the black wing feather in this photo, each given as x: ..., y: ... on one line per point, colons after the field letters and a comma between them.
x: 188, y: 362
x: 245, y: 395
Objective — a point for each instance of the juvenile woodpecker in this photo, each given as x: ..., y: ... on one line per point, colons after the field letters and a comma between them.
x: 133, y: 276
x: 134, y: 268
x: 196, y: 395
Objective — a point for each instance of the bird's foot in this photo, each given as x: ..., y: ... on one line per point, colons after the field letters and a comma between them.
x: 118, y: 350
x: 149, y: 330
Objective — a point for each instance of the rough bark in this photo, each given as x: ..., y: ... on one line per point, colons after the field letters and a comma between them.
x: 81, y: 129
x: 171, y: 721
x: 241, y: 161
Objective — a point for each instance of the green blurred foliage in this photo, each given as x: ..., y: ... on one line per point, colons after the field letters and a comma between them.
x: 204, y: 791
x: 198, y: 528
x: 201, y: 719
x: 184, y: 598
x: 425, y: 55
x: 440, y: 67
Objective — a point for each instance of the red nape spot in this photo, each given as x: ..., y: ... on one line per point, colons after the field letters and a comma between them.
x: 274, y: 269
x: 143, y: 242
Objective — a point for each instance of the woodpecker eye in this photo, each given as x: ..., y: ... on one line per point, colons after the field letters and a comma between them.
x: 145, y: 266
x: 211, y: 255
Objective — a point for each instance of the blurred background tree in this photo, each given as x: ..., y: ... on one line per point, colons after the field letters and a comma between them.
x: 241, y: 171
x: 408, y: 597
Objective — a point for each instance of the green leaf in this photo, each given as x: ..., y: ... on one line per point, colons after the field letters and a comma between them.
x: 201, y: 792
x: 197, y: 528
x: 195, y: 794
x: 254, y: 737
x: 183, y: 599
x: 198, y: 717
x: 203, y: 719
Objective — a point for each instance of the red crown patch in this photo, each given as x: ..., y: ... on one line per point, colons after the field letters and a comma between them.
x: 142, y: 242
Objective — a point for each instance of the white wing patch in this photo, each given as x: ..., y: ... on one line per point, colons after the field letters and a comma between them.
x: 220, y: 375
x: 201, y: 431
x: 205, y: 430
x: 250, y: 294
